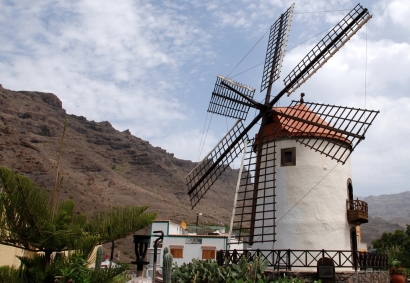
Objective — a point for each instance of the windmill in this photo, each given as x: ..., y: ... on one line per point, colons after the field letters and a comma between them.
x: 337, y: 130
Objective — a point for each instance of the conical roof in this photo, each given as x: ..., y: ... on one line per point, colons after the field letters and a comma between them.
x: 302, y: 123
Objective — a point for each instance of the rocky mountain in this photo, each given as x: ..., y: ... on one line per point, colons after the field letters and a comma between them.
x: 390, y: 206
x: 388, y: 213
x: 100, y: 165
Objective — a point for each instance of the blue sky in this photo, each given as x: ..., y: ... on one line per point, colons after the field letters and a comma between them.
x: 150, y: 67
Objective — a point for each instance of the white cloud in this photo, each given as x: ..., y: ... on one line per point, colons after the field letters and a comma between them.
x: 150, y: 67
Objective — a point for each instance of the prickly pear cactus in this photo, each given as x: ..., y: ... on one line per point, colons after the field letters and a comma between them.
x: 98, y: 257
x: 167, y: 266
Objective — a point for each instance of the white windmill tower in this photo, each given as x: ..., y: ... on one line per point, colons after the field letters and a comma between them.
x: 292, y: 192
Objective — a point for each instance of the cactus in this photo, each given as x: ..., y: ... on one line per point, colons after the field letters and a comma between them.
x: 167, y: 266
x: 98, y: 257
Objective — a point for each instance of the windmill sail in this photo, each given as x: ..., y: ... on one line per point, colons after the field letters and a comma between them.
x: 327, y: 47
x: 261, y: 225
x: 230, y: 98
x: 332, y: 130
x: 278, y: 38
x: 202, y: 177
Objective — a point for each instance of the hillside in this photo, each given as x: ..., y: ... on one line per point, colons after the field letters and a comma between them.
x: 388, y: 213
x: 377, y: 226
x: 389, y: 206
x: 100, y: 165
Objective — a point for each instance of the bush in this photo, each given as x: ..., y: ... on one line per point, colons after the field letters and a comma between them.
x: 208, y: 271
x: 9, y: 275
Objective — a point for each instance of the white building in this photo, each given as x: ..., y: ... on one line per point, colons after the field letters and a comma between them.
x: 183, y: 246
x: 312, y: 190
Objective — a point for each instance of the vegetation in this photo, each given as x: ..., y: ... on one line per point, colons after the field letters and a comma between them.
x: 28, y: 222
x: 167, y: 266
x: 9, y: 275
x: 397, y: 246
x: 208, y: 271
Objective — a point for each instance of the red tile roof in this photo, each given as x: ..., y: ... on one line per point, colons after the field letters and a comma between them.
x: 283, y: 127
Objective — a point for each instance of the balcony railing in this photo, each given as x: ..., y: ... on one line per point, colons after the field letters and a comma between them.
x: 357, y: 211
x: 285, y: 260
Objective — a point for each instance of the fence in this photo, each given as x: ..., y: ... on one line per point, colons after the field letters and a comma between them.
x: 288, y: 259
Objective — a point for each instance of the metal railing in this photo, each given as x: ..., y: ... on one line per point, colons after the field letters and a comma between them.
x: 288, y: 259
x: 357, y: 205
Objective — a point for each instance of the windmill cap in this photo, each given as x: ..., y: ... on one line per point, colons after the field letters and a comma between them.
x: 284, y: 127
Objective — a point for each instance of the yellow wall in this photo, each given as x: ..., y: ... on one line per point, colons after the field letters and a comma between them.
x: 8, y: 255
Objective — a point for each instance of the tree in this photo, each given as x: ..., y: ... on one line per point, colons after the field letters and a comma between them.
x: 396, y: 245
x: 27, y: 220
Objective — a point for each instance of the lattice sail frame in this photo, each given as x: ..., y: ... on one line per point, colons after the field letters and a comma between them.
x: 201, y: 178
x: 278, y: 38
x: 226, y: 101
x: 264, y: 228
x: 332, y: 130
x: 327, y: 47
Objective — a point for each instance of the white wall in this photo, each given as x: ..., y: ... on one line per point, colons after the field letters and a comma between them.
x: 174, y: 229
x: 159, y: 226
x: 176, y: 237
x: 191, y: 251
x: 310, y: 202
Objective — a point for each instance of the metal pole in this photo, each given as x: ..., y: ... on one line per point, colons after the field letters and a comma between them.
x: 197, y: 217
x: 154, y: 265
x: 245, y: 144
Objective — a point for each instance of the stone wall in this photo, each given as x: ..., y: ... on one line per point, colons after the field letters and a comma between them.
x: 345, y: 277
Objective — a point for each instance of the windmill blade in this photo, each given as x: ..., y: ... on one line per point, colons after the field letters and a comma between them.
x: 278, y: 38
x: 327, y: 47
x: 230, y: 98
x: 258, y: 226
x: 334, y: 131
x: 201, y: 178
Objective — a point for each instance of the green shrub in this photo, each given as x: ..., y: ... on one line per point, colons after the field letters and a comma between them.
x: 208, y: 271
x: 293, y: 280
x: 9, y: 275
x: 109, y: 275
x: 75, y: 270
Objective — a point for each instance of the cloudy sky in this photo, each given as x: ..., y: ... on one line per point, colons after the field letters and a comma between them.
x: 150, y: 67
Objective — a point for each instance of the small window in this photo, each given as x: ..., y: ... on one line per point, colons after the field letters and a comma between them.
x: 208, y: 254
x: 177, y: 252
x: 288, y: 156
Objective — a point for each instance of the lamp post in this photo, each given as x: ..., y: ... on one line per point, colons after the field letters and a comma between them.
x: 141, y: 247
x: 197, y: 216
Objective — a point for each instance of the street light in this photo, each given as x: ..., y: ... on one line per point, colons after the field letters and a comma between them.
x: 197, y: 216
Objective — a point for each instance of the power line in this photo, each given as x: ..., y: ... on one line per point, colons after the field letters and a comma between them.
x: 365, y: 74
x: 331, y: 11
x: 204, y: 135
x: 246, y: 54
x: 285, y: 51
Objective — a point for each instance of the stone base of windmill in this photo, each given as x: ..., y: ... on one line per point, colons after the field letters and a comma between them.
x: 340, y: 276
